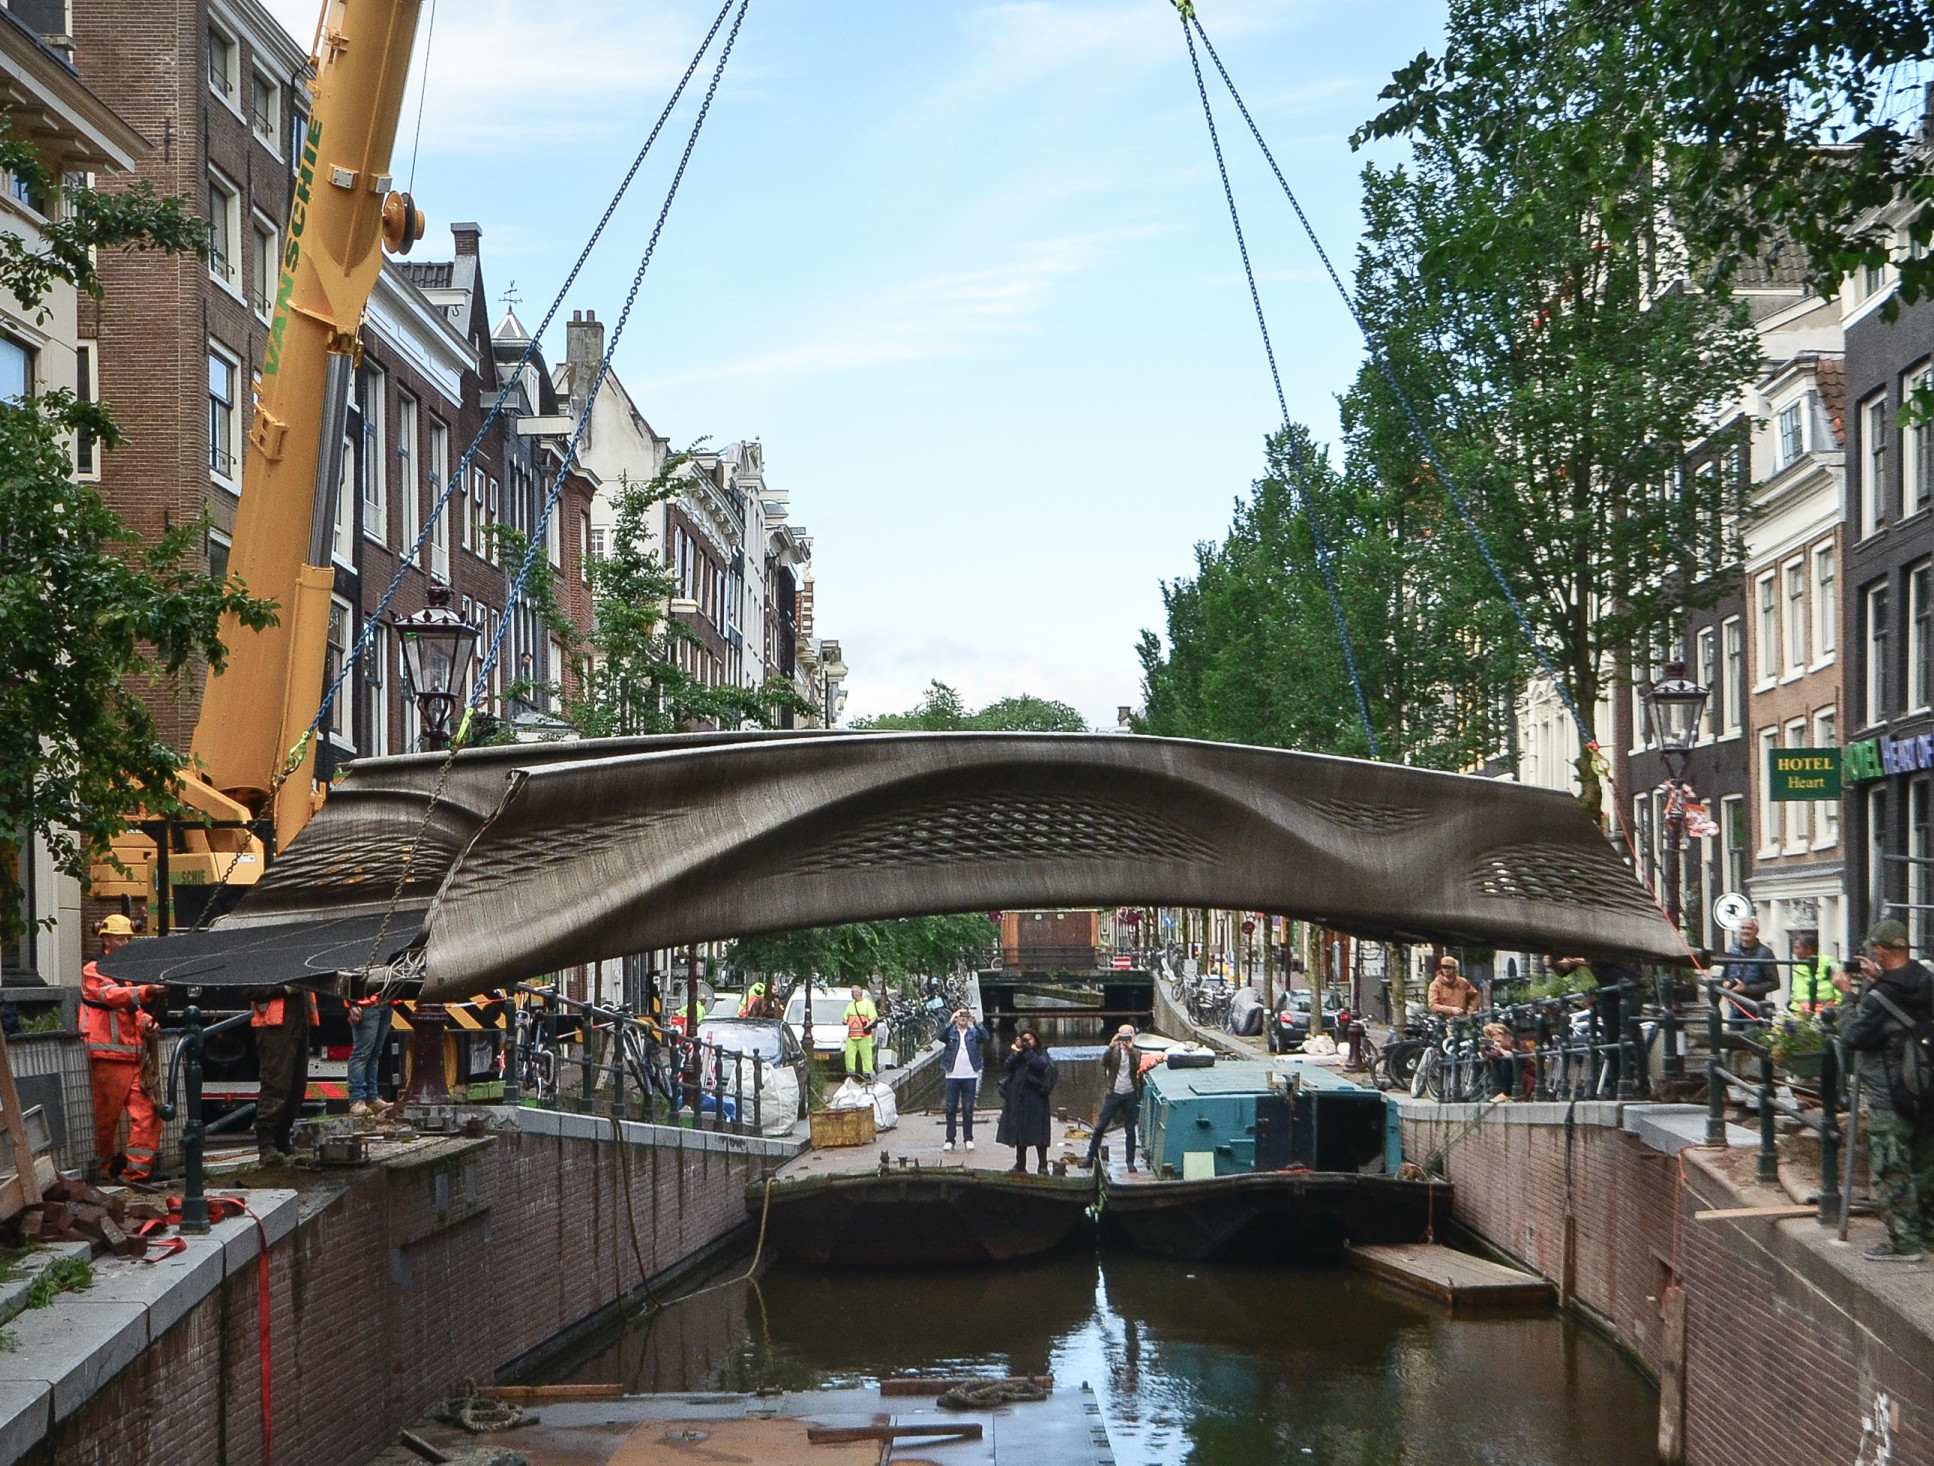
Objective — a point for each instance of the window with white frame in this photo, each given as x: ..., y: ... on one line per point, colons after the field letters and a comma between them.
x: 439, y: 565
x: 224, y: 66
x: 1799, y: 812
x: 1873, y: 463
x: 1916, y: 452
x: 1920, y: 608
x: 16, y: 370
x: 1826, y: 603
x: 223, y: 422
x: 1732, y: 833
x: 1796, y: 616
x: 375, y: 668
x: 554, y: 541
x: 87, y: 387
x: 1875, y: 609
x: 343, y: 546
x: 373, y: 387
x: 493, y: 515
x: 342, y: 631
x: 584, y: 547
x: 1792, y: 433
x: 224, y: 230
x: 265, y: 266
x: 265, y: 111
x: 1707, y: 671
x: 473, y: 513
x: 409, y: 489
x: 597, y: 543
x: 1733, y: 683
x: 1768, y: 599
x: 1825, y: 734
x: 1769, y: 829
x: 1919, y: 848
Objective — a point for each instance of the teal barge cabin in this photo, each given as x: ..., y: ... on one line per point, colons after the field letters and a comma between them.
x: 1280, y: 1161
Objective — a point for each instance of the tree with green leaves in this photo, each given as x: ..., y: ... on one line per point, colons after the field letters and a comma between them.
x: 1251, y: 652
x: 943, y: 711
x: 625, y: 678
x: 96, y: 624
x: 897, y: 951
x: 1533, y: 305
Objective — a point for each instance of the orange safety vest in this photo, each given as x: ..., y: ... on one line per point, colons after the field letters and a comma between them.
x: 269, y: 1013
x: 858, y: 1021
x: 112, y: 1023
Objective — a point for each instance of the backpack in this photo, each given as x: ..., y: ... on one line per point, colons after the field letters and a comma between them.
x: 1912, y: 1078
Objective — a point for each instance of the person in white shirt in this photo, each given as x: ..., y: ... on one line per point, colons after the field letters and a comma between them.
x: 961, y: 1063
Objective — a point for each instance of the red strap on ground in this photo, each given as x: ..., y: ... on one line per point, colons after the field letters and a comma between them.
x: 167, y: 1249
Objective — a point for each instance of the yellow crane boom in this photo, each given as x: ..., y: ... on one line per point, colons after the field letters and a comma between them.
x: 255, y: 714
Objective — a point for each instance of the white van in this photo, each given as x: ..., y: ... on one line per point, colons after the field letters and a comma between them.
x: 827, y: 1036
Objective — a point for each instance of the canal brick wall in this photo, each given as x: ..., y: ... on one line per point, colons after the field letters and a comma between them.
x: 405, y: 1278
x: 1773, y: 1343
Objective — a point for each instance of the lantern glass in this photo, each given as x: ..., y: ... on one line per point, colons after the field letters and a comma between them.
x: 438, y: 647
x: 1673, y: 707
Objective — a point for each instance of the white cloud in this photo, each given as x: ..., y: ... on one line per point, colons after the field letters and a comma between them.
x: 941, y: 316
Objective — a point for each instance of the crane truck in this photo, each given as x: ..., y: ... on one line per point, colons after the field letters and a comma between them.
x: 251, y: 778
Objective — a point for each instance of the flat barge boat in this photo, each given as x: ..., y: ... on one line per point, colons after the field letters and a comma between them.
x: 1253, y: 1161
x: 902, y: 1201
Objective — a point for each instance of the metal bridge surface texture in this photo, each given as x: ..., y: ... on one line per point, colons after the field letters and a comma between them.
x: 539, y: 857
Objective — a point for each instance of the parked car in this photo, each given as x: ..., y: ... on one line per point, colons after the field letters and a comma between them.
x: 781, y: 1082
x: 1289, y: 1025
x: 825, y: 1037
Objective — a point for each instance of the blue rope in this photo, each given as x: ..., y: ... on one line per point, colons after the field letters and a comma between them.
x: 454, y: 481
x: 1301, y: 486
x: 1383, y: 366
x: 536, y: 545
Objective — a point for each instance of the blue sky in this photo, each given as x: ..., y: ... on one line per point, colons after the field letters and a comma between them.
x: 963, y: 267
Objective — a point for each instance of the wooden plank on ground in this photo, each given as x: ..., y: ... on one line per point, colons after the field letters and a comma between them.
x: 522, y: 1393
x: 1452, y: 1277
x: 913, y: 1384
x: 1748, y: 1213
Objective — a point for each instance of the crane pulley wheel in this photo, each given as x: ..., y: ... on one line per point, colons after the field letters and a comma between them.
x: 402, y: 223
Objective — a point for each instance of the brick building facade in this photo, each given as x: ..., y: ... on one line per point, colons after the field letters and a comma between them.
x: 218, y: 89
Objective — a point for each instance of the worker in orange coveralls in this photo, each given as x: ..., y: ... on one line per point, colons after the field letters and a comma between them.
x: 115, y: 1029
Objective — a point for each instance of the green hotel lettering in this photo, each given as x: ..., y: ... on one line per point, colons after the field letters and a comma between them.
x: 292, y: 255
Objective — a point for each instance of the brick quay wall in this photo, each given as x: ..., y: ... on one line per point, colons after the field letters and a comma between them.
x: 1773, y: 1343
x: 451, y: 1260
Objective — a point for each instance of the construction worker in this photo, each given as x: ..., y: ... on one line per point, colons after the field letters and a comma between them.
x: 282, y: 1066
x: 368, y: 1027
x: 116, y: 1031
x: 860, y: 1015
x: 753, y: 1004
x: 1811, y: 986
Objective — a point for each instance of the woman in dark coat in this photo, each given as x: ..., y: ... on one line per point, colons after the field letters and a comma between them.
x: 1024, y: 1108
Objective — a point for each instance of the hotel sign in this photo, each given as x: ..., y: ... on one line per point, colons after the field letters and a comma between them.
x: 1803, y: 773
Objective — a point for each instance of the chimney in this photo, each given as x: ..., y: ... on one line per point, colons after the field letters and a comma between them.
x: 1122, y: 715
x: 466, y: 236
x: 583, y: 350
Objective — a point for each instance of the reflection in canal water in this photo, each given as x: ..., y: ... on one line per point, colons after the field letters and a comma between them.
x: 1223, y: 1367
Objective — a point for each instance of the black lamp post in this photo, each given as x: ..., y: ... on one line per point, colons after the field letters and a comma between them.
x: 438, y: 648
x: 1673, y: 706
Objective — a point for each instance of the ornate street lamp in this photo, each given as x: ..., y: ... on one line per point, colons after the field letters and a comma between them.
x: 438, y: 648
x: 1673, y: 706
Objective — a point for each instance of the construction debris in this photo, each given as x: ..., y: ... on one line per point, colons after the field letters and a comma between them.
x: 72, y: 1211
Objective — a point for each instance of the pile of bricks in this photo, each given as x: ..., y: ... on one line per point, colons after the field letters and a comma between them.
x: 71, y: 1211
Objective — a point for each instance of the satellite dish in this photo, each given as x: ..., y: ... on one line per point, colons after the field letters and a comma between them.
x: 1732, y: 910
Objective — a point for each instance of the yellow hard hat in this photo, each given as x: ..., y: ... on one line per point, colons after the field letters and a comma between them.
x: 116, y: 925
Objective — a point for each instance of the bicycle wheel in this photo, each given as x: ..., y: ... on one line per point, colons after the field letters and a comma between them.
x: 1430, y: 1076
x: 1397, y: 1065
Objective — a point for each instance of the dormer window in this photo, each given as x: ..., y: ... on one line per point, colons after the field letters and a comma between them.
x: 1792, y: 434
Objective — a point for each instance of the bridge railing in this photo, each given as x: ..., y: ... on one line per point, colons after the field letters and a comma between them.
x: 559, y: 1045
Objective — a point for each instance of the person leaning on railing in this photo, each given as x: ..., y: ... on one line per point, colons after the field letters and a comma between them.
x: 1896, y: 998
x: 1451, y: 994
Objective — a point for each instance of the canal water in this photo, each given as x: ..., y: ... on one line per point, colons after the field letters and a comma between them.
x: 1212, y: 1366
x: 1198, y: 1364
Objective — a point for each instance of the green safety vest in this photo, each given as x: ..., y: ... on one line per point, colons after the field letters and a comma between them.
x: 1812, y: 984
